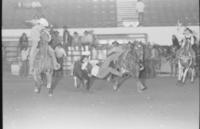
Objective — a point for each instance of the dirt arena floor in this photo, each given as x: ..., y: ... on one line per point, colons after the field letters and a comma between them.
x: 164, y: 105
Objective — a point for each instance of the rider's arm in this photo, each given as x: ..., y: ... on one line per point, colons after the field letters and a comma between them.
x: 192, y: 40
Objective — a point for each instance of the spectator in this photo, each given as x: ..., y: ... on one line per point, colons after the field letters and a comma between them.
x: 51, y: 29
x: 88, y: 38
x: 55, y: 40
x: 85, y: 39
x: 23, y: 43
x: 175, y: 42
x: 92, y: 37
x: 140, y: 10
x: 67, y: 38
x: 60, y: 54
x: 76, y: 39
x: 23, y: 49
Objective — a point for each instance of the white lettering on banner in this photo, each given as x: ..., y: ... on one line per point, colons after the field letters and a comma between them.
x: 34, y: 4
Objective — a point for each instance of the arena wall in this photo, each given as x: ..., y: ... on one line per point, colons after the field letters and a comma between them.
x: 158, y: 35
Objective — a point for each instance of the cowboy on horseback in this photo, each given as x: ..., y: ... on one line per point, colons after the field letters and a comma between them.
x: 186, y: 56
x: 44, y: 62
x: 35, y: 37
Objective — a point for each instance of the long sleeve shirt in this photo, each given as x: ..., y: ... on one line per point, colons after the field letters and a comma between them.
x: 60, y: 52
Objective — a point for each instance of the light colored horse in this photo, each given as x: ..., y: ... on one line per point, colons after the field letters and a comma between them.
x: 44, y: 63
x: 186, y: 58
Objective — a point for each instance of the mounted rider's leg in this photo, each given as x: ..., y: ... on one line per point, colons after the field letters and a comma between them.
x: 55, y: 63
x: 38, y: 81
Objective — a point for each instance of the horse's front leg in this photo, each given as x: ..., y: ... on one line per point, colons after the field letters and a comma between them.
x: 76, y: 82
x: 38, y: 81
x: 49, y: 75
x: 192, y: 74
x: 172, y: 68
x: 185, y: 74
x: 118, y: 81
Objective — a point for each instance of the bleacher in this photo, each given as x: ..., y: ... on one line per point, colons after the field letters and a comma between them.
x: 168, y: 12
x: 91, y: 13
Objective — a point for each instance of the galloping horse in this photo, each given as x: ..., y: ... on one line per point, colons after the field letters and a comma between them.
x: 44, y: 63
x: 186, y: 59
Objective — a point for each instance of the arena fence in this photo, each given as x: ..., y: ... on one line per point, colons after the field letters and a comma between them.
x: 96, y: 52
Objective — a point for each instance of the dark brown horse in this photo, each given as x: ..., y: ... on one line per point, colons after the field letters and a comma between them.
x: 132, y: 61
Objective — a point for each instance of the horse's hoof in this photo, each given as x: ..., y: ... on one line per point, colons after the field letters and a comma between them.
x: 192, y: 81
x: 49, y: 86
x: 115, y: 88
x: 37, y: 90
x: 50, y: 94
x: 180, y: 83
x: 88, y: 88
x: 77, y: 86
x: 142, y: 90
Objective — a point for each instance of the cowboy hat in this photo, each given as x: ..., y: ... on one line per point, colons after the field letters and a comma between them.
x: 45, y: 33
x: 43, y: 22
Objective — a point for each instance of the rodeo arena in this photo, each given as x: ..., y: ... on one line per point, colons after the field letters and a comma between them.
x: 100, y: 64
